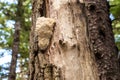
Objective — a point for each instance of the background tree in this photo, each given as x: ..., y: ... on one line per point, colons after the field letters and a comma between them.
x: 82, y: 42
x: 9, y: 13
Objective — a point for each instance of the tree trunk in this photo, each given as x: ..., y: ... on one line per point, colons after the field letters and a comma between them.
x: 15, y: 50
x: 79, y: 47
x: 16, y: 41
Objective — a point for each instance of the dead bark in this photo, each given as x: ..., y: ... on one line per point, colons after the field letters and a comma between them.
x: 71, y: 54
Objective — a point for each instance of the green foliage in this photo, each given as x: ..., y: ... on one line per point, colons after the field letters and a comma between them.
x: 6, y: 37
x: 115, y: 10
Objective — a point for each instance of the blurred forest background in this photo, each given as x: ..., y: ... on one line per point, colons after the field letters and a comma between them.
x: 12, y: 11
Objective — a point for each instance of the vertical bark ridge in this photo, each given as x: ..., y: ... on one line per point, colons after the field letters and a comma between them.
x: 37, y: 11
x: 102, y: 40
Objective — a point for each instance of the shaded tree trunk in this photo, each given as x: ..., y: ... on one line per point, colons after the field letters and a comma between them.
x: 82, y: 45
x: 16, y: 42
x: 15, y: 49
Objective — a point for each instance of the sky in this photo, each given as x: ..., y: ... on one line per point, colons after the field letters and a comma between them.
x: 6, y: 58
x: 9, y: 1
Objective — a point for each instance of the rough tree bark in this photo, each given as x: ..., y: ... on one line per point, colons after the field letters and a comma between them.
x: 81, y: 46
